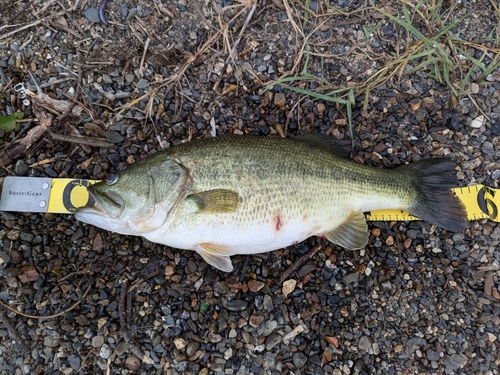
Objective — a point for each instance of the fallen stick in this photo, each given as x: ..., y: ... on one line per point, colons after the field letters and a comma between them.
x: 96, y: 142
x: 13, y: 332
x: 123, y: 324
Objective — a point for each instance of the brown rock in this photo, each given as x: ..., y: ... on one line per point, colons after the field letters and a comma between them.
x: 289, y: 286
x: 279, y: 100
x: 256, y: 320
x: 488, y: 284
x: 255, y: 285
x: 97, y: 245
x: 332, y: 340
x: 132, y: 363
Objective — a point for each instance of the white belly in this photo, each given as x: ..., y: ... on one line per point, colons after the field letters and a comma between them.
x: 241, y: 238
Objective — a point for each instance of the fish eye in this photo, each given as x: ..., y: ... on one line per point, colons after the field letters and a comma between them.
x: 111, y: 179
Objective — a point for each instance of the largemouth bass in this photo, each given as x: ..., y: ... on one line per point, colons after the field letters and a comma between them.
x: 246, y: 195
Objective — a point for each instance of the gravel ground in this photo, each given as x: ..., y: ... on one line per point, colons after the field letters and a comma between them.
x: 416, y: 300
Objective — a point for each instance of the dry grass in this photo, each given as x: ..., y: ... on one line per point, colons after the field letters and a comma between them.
x: 436, y: 51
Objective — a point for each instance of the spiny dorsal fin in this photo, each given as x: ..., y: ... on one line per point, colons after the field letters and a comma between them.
x: 351, y: 234
x: 217, y: 201
x: 326, y: 142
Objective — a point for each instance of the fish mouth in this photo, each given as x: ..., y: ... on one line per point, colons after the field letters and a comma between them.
x: 106, y: 204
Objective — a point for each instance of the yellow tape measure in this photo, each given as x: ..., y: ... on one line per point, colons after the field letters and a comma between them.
x: 481, y: 202
x: 65, y: 195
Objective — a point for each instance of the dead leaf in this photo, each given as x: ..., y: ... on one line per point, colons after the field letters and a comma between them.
x: 61, y: 21
x: 65, y: 288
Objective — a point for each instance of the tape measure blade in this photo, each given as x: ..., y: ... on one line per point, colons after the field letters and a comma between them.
x: 25, y: 194
x: 68, y: 194
x: 468, y: 196
x: 389, y: 215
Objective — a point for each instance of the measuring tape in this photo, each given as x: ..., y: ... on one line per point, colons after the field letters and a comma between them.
x: 65, y: 195
x: 481, y: 202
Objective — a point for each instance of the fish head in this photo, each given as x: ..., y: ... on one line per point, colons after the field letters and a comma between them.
x: 137, y: 200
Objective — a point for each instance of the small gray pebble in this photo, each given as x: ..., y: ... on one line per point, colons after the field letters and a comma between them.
x: 269, y: 327
x: 129, y: 77
x: 4, y: 257
x: 142, y: 84
x: 105, y: 351
x: 272, y: 340
x: 299, y: 360
x: 26, y: 237
x: 21, y: 168
x: 351, y: 278
x: 432, y: 355
x: 97, y: 341
x: 107, y: 78
x: 364, y: 343
x: 192, y: 347
x: 109, y: 95
x: 74, y: 361
x: 114, y: 137
x: 314, y: 6
x: 92, y: 15
x: 122, y: 95
x: 101, y: 362
x: 454, y: 362
x: 237, y: 305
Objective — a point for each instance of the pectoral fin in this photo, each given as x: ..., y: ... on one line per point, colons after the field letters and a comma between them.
x: 352, y: 234
x: 215, y: 256
x: 216, y: 201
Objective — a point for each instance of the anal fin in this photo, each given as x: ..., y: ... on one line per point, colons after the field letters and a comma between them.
x: 215, y: 256
x: 352, y: 234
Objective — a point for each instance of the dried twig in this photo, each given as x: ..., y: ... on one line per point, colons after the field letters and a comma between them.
x: 142, y: 279
x: 65, y: 28
x: 176, y: 76
x: 80, y: 139
x: 48, y: 316
x: 141, y: 66
x: 123, y: 324
x: 300, y: 262
x: 36, y: 22
x: 13, y: 332
x: 232, y: 51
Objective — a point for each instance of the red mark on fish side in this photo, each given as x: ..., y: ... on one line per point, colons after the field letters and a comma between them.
x: 278, y: 222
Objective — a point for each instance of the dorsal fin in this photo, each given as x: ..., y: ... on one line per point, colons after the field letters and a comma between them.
x: 325, y: 142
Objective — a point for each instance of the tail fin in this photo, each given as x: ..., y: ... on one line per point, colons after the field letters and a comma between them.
x: 435, y: 202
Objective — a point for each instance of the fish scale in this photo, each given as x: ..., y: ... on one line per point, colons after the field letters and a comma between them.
x: 245, y: 195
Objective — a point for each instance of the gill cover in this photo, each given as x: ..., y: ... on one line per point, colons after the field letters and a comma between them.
x: 139, y: 199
